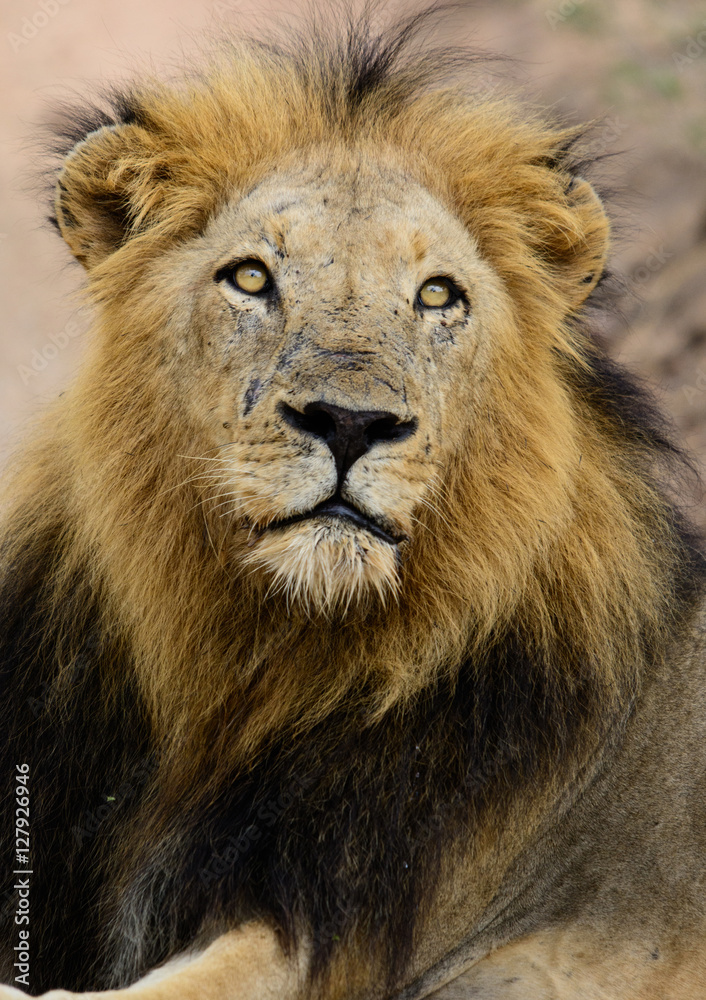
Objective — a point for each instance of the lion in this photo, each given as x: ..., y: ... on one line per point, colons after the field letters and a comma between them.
x: 352, y: 637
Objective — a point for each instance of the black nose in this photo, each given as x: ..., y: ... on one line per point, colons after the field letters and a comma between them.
x: 348, y: 433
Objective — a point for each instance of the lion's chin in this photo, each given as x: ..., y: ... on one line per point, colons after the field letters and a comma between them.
x: 326, y: 565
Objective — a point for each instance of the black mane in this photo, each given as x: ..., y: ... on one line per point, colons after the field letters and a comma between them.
x: 345, y: 828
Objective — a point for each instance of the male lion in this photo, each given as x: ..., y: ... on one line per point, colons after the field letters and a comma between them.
x: 351, y: 645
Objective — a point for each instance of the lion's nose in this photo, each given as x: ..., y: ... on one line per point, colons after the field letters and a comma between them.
x: 348, y: 433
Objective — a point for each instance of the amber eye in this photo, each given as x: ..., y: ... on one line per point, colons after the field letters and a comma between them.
x: 251, y: 276
x: 437, y: 293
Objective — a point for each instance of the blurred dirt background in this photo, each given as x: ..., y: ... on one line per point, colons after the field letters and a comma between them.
x: 639, y: 65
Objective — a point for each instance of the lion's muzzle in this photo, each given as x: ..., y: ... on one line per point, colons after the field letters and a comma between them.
x: 349, y: 434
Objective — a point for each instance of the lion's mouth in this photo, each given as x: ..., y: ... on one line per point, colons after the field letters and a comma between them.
x: 337, y: 507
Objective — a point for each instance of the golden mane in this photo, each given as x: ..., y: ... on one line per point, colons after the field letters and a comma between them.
x: 551, y: 524
x: 551, y: 566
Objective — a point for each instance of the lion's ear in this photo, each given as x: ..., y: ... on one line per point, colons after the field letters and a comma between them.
x: 579, y: 243
x: 101, y: 193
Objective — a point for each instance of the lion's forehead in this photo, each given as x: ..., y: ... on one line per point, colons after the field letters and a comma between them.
x: 364, y: 222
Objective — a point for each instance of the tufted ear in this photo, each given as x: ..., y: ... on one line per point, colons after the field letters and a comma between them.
x: 579, y: 244
x: 103, y: 191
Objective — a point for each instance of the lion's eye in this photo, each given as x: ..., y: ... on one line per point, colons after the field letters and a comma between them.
x: 251, y: 276
x: 436, y: 293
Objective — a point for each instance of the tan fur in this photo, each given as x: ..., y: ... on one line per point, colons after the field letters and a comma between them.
x: 564, y: 965
x: 532, y: 496
x: 168, y: 460
x: 247, y: 964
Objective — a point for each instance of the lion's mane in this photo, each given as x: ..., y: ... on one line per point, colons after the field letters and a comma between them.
x: 168, y: 706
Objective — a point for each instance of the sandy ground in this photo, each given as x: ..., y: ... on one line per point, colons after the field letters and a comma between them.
x: 640, y: 65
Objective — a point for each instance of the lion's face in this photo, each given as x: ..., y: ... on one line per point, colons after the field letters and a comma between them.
x: 339, y: 360
x: 341, y: 339
x: 338, y: 371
